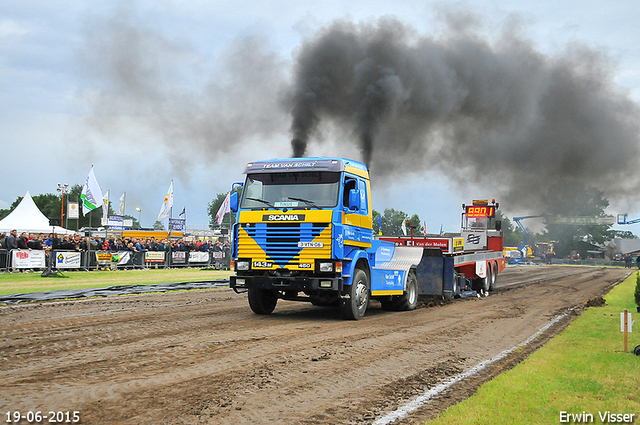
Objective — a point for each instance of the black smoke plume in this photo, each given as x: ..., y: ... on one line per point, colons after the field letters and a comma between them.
x: 497, y: 113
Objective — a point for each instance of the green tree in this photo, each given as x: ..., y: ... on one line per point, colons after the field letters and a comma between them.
x: 513, y: 235
x: 392, y: 222
x: 623, y: 234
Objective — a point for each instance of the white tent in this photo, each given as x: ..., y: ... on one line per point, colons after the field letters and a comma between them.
x: 27, y: 217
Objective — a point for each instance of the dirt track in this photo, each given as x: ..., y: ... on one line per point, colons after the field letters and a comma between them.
x: 203, y: 357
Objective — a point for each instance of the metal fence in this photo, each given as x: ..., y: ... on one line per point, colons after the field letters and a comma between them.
x: 20, y: 260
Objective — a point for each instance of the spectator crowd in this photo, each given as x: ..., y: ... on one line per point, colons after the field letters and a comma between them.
x: 97, y: 243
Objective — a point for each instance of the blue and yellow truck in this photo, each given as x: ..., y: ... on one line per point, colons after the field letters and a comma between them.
x: 304, y: 232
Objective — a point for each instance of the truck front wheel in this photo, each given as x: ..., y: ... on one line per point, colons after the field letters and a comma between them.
x: 354, y: 307
x: 262, y: 301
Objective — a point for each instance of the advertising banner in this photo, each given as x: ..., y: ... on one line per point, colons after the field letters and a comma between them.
x: 474, y: 240
x: 106, y: 257
x: 177, y: 224
x: 67, y: 260
x: 219, y: 255
x: 198, y: 257
x: 28, y: 259
x: 154, y: 257
x: 73, y: 210
x: 116, y: 223
x: 179, y: 257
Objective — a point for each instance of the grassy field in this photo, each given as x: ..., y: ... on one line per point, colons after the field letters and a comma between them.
x: 22, y: 283
x: 582, y: 370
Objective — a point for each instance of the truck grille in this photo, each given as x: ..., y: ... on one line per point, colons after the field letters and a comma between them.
x: 278, y: 242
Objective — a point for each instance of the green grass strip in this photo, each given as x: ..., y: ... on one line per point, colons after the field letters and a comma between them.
x: 24, y: 283
x: 584, y: 369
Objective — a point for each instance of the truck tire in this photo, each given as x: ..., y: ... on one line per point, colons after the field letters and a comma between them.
x: 494, y: 277
x: 354, y: 307
x: 262, y: 301
x: 409, y: 299
x: 486, y: 284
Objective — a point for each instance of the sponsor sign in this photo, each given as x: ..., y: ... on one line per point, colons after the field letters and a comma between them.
x: 73, y: 210
x: 67, y: 260
x: 290, y: 164
x: 28, y: 259
x: 116, y: 223
x: 198, y: 257
x: 104, y: 257
x: 154, y: 257
x: 179, y: 257
x: 481, y: 269
x: 384, y: 254
x: 262, y: 264
x: 428, y: 243
x: 474, y: 240
x: 119, y: 258
x: 458, y: 244
x: 218, y: 254
x: 177, y: 224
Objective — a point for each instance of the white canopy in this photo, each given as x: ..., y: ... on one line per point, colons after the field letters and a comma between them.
x: 27, y: 217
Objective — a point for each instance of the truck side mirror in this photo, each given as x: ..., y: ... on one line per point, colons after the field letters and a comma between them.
x: 354, y: 200
x: 233, y: 202
x: 498, y: 225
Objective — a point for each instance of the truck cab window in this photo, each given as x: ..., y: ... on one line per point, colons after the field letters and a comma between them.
x: 348, y: 185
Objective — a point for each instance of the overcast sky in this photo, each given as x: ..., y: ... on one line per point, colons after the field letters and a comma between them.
x: 190, y: 91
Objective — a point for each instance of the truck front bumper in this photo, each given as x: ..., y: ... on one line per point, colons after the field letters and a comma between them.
x: 286, y: 283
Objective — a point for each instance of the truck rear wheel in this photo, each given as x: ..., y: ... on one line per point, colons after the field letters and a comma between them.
x: 354, y: 307
x: 408, y: 300
x: 494, y: 276
x: 262, y: 301
x: 487, y: 280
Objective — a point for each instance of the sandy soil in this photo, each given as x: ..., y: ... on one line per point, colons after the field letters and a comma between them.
x: 202, y: 357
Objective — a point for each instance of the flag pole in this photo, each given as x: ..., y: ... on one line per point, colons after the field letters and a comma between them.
x: 170, y: 213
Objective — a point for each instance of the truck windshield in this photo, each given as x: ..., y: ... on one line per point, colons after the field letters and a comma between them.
x: 313, y: 189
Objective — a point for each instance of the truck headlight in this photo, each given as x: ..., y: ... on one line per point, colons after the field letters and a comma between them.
x: 240, y: 282
x: 326, y: 267
x: 242, y: 265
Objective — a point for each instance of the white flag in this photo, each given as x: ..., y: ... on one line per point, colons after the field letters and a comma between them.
x: 165, y: 210
x: 121, y: 212
x: 91, y: 194
x: 404, y: 228
x: 224, y: 208
x: 105, y: 205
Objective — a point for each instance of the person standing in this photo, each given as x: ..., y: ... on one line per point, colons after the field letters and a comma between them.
x: 23, y: 241
x: 12, y: 240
